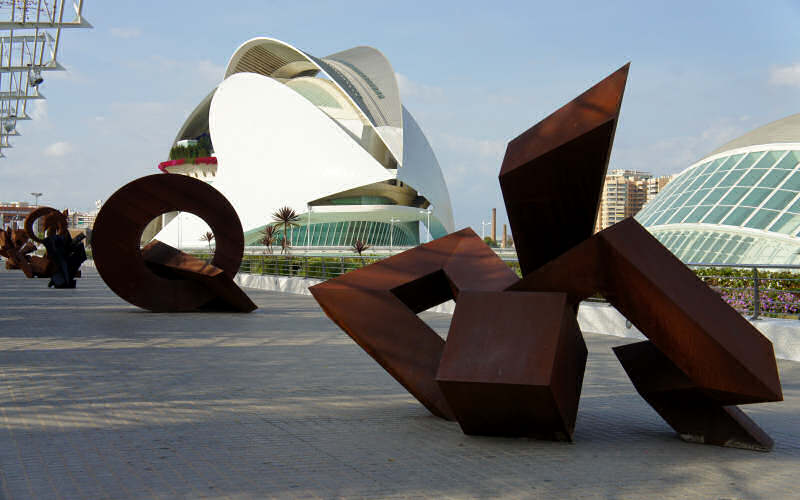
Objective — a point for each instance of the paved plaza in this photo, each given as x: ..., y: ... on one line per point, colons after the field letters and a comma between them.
x: 102, y: 400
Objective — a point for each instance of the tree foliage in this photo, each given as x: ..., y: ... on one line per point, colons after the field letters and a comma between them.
x: 286, y: 217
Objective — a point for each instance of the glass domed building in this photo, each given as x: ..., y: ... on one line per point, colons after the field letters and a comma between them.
x: 738, y: 205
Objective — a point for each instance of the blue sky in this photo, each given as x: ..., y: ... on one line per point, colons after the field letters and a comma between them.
x: 474, y: 74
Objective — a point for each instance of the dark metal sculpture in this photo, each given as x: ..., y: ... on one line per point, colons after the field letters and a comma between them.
x: 158, y: 277
x: 64, y: 254
x: 702, y: 355
x: 513, y: 364
x: 16, y: 248
x: 377, y: 306
x: 514, y: 358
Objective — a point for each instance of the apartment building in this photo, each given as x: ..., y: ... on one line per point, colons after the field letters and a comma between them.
x: 625, y: 192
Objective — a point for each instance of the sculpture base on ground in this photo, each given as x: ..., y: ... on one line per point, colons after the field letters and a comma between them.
x: 169, y: 262
x: 67, y: 255
x: 513, y: 364
x: 694, y: 415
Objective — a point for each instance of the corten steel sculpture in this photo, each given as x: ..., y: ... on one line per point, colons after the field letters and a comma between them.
x: 16, y: 248
x: 377, y: 306
x: 514, y: 358
x: 158, y: 277
x: 64, y: 254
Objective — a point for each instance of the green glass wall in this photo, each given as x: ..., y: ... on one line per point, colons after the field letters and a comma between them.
x: 344, y: 234
x: 744, y: 198
x: 755, y: 190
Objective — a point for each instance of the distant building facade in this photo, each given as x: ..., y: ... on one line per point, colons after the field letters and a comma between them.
x: 81, y: 220
x: 625, y: 192
x: 328, y: 137
x: 14, y: 213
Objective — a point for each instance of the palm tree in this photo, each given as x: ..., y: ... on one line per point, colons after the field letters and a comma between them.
x: 286, y: 217
x: 208, y: 237
x: 359, y: 247
x: 269, y: 236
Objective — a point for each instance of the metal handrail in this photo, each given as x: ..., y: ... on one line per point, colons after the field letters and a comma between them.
x: 757, y: 293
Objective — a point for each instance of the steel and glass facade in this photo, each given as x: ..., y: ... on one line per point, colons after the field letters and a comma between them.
x: 343, y: 234
x: 737, y: 206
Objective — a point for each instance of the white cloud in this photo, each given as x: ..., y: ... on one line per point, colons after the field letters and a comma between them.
x: 186, y: 74
x: 68, y: 74
x: 671, y: 155
x: 785, y: 75
x: 126, y: 33
x: 58, y: 149
x: 209, y: 71
x: 38, y: 110
x: 410, y: 88
x: 482, y: 147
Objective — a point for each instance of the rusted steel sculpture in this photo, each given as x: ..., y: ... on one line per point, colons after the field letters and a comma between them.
x: 16, y: 248
x: 513, y: 364
x: 377, y: 306
x: 514, y: 358
x: 158, y: 277
x: 64, y: 254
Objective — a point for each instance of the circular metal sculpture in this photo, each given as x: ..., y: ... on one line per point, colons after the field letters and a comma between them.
x: 159, y: 277
x: 54, y: 222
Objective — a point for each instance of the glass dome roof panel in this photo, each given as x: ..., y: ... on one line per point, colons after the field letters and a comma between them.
x: 793, y: 183
x: 697, y: 197
x: 790, y: 161
x: 769, y: 159
x: 679, y: 215
x: 698, y: 181
x: 709, y: 167
x: 733, y: 196
x: 786, y: 224
x: 715, y: 195
x: 713, y: 179
x: 732, y: 177
x: 717, y: 214
x: 698, y: 214
x: 752, y: 177
x: 773, y: 178
x: 761, y: 219
x: 747, y: 161
x: 780, y: 199
x: 737, y: 216
x: 755, y: 197
x: 664, y: 217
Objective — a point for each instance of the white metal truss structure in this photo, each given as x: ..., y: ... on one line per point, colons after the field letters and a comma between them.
x: 30, y: 34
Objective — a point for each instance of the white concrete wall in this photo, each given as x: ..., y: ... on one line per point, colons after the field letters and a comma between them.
x: 594, y: 317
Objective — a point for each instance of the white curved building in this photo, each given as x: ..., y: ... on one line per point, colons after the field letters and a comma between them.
x: 328, y: 137
x: 738, y: 205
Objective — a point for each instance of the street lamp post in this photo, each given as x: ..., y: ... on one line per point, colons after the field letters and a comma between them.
x: 483, y: 229
x: 36, y: 199
x: 428, y: 211
x: 391, y: 234
x: 308, y: 228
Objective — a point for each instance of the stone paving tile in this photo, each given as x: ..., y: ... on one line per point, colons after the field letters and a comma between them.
x: 101, y: 400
